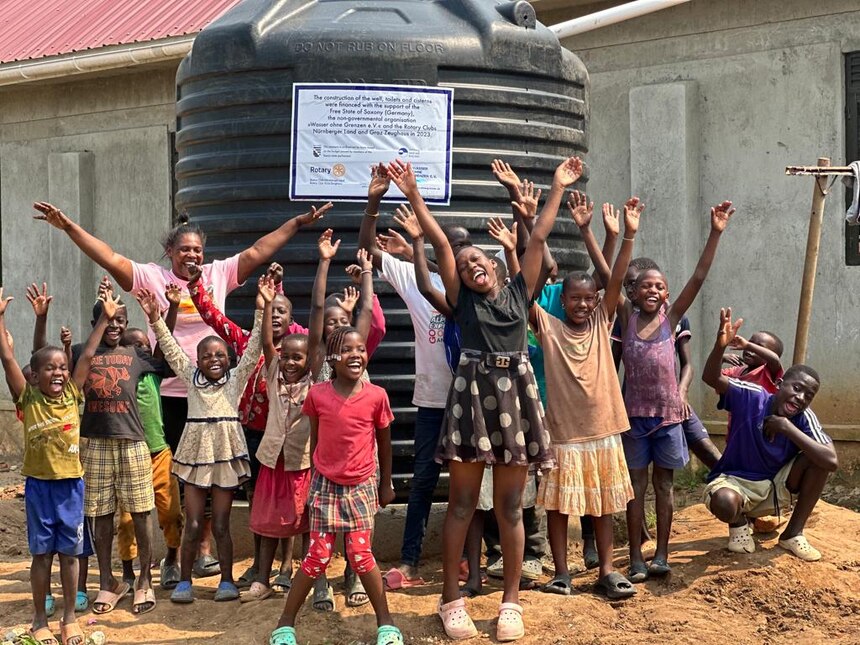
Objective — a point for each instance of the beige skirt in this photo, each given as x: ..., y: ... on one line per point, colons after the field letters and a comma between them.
x: 589, y: 478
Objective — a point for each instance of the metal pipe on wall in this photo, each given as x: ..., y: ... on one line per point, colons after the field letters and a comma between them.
x: 611, y: 16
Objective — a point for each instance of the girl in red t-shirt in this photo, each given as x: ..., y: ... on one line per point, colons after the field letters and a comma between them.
x: 350, y: 434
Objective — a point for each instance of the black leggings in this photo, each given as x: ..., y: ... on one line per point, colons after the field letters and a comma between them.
x: 174, y: 412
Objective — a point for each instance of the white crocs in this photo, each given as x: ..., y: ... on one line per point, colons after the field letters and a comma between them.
x: 740, y: 539
x: 800, y: 547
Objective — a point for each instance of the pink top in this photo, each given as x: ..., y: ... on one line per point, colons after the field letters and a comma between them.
x: 759, y: 376
x: 219, y: 277
x: 651, y: 386
x: 346, y: 435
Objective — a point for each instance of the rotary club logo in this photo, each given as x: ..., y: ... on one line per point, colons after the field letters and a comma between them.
x: 338, y: 170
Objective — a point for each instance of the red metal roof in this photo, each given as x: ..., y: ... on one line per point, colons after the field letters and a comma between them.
x: 38, y: 28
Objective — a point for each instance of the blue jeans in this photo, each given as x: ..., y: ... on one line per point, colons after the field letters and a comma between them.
x: 428, y: 426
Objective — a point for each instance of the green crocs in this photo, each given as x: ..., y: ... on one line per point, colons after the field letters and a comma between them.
x: 388, y: 635
x: 284, y: 636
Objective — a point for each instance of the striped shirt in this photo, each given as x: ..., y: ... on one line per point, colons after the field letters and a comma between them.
x: 749, y: 453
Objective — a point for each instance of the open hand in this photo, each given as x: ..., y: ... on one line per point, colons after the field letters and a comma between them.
x: 313, y: 214
x: 733, y: 359
x: 349, y: 300
x: 404, y: 216
x: 4, y: 302
x: 728, y: 329
x: 173, y: 293
x: 505, y: 175
x: 581, y: 210
x: 40, y: 300
x: 105, y: 289
x: 327, y: 250
x: 504, y: 236
x: 65, y: 337
x: 364, y: 260
x: 611, y: 224
x: 53, y: 215
x: 720, y: 216
x: 379, y: 183
x: 632, y: 212
x: 568, y: 172
x: 527, y: 199
x: 403, y: 177
x: 738, y: 342
x: 393, y: 243
x: 146, y: 300
x: 110, y: 305
x: 265, y: 291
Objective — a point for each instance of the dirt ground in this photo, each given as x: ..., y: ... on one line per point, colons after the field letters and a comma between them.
x: 712, y: 596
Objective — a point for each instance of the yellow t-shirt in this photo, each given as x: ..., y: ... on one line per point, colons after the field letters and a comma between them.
x: 52, y: 429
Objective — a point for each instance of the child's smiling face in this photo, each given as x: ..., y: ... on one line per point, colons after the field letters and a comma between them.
x: 51, y: 373
x: 115, y: 328
x: 476, y: 270
x: 795, y: 394
x: 579, y: 299
x: 294, y: 358
x: 352, y: 362
x: 213, y: 359
x: 334, y: 317
x: 651, y: 291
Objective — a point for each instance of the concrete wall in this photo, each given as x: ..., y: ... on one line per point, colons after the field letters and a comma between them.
x: 99, y: 148
x: 710, y: 101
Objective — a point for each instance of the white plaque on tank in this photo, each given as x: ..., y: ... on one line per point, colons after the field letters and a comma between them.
x: 340, y: 131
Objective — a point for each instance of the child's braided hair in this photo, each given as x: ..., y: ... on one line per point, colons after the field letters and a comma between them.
x: 334, y: 344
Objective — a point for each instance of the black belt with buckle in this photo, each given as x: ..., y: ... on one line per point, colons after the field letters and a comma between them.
x: 502, y: 361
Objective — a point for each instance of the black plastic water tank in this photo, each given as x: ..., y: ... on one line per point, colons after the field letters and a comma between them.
x: 518, y: 95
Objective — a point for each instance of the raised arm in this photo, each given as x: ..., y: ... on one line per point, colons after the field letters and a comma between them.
x: 720, y: 216
x: 178, y: 360
x: 264, y: 248
x: 232, y: 334
x: 99, y: 252
x: 404, y: 177
x: 327, y: 251
x: 249, y: 360
x: 14, y: 376
x: 770, y: 358
x: 269, y: 350
x: 406, y: 218
x: 66, y: 342
x: 365, y: 301
x: 611, y: 229
x: 395, y: 244
x: 712, y: 375
x: 508, y: 239
x: 109, y: 309
x: 581, y: 211
x: 565, y: 175
x: 41, y: 302
x: 612, y: 295
x: 379, y: 184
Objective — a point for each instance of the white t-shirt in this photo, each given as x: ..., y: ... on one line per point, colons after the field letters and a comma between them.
x: 219, y: 278
x: 432, y: 374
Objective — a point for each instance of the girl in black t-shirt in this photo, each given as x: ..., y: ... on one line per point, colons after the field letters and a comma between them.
x: 494, y: 411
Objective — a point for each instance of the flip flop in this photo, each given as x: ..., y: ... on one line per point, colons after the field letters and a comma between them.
x: 282, y: 582
x: 144, y: 601
x: 109, y: 599
x: 71, y: 631
x: 659, y: 567
x: 283, y: 636
x: 247, y: 578
x: 182, y: 593
x: 356, y: 595
x: 394, y: 579
x: 637, y: 572
x: 206, y: 566
x: 169, y: 574
x: 510, y: 624
x: 226, y: 591
x: 82, y: 601
x: 256, y: 592
x: 50, y: 605
x: 44, y: 636
x: 560, y: 585
x: 388, y: 635
x: 323, y: 599
x: 614, y: 586
x: 801, y: 548
x: 590, y: 557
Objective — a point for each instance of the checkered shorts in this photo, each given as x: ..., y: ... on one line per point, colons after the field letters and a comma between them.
x: 117, y: 470
x: 341, y: 508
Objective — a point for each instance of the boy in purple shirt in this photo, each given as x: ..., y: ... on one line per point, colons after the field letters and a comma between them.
x: 776, y: 450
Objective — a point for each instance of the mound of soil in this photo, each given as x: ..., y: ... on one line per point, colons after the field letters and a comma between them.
x: 712, y: 596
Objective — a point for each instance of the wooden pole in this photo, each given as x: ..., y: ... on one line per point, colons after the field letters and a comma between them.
x: 810, y: 265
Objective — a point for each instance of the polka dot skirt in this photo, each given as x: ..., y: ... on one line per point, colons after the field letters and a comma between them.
x: 494, y: 413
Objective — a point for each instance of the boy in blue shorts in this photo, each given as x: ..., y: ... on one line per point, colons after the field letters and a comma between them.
x: 776, y: 450
x: 54, y: 487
